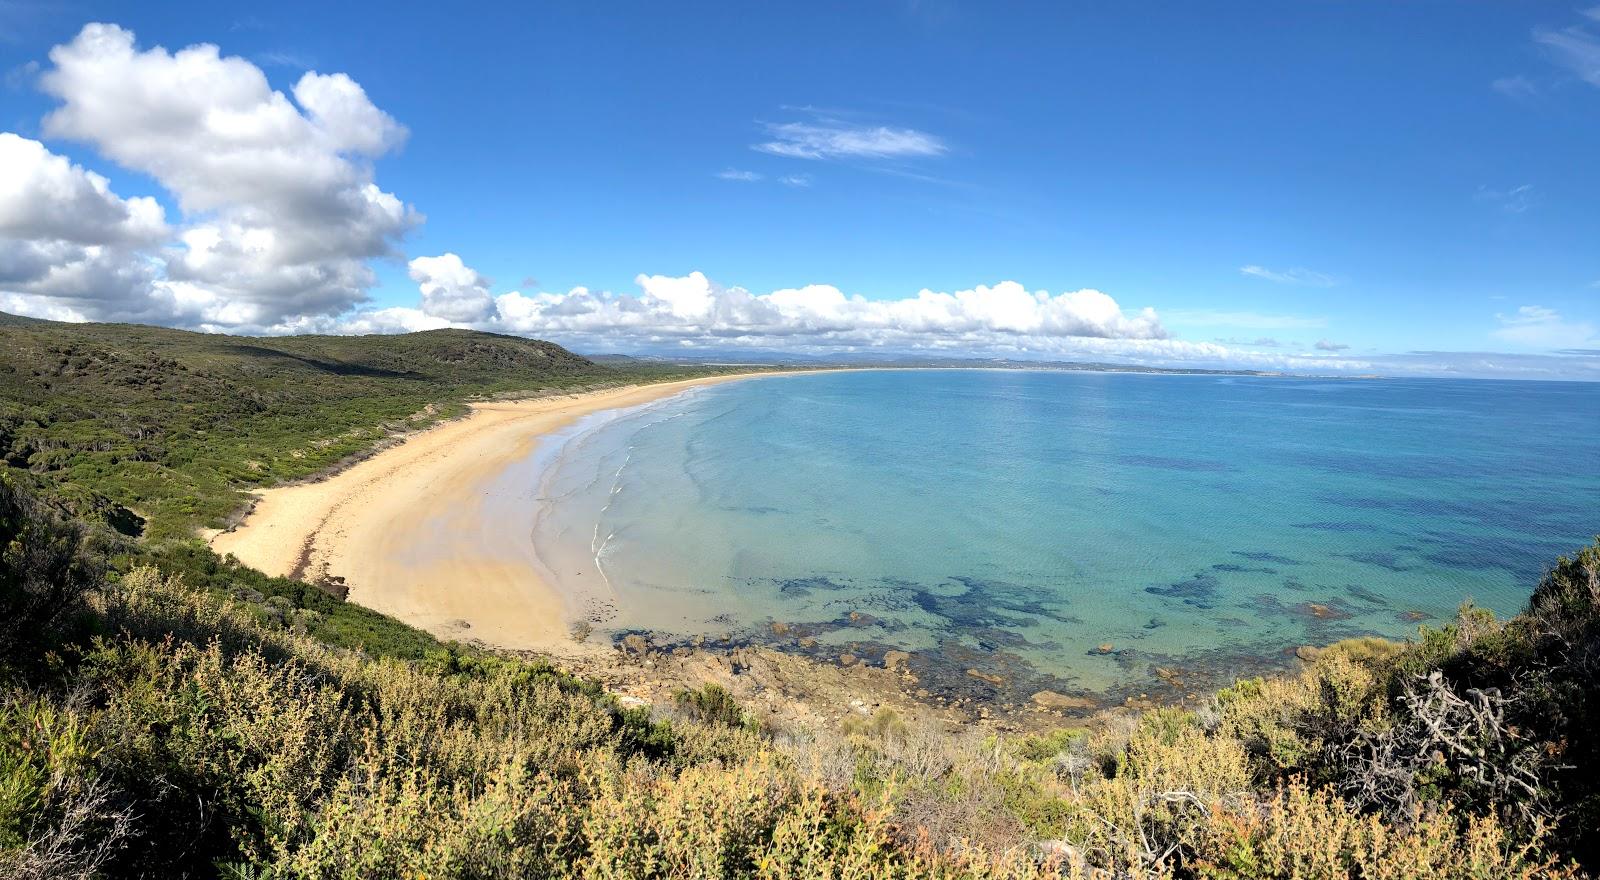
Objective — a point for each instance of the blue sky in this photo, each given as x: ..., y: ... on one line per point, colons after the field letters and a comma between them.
x: 1379, y: 178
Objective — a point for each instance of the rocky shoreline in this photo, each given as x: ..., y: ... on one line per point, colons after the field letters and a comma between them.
x: 801, y: 688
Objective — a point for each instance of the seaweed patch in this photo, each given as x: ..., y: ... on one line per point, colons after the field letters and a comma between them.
x: 1200, y: 590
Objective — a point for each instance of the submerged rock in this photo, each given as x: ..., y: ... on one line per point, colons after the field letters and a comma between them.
x: 1061, y: 702
x: 847, y: 659
x: 1103, y: 649
x: 895, y: 659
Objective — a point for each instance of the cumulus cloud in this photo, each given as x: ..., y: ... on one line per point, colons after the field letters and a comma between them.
x: 451, y: 291
x: 1290, y: 276
x: 1328, y: 345
x: 283, y: 214
x: 65, y: 236
x: 692, y: 311
x: 694, y: 307
x: 834, y: 139
x: 1540, y: 327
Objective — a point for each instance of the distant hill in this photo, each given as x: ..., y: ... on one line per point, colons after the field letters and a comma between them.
x: 173, y: 425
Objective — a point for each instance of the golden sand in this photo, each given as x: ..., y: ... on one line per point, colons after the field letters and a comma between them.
x: 406, y: 528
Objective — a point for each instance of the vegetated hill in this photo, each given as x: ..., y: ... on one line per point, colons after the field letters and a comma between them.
x: 172, y: 425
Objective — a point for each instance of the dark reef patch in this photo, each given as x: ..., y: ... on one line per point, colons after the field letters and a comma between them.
x: 1198, y: 465
x: 805, y: 585
x: 1263, y: 556
x: 1242, y: 569
x: 1341, y: 526
x: 1199, y: 590
x: 1366, y: 595
x: 1380, y: 559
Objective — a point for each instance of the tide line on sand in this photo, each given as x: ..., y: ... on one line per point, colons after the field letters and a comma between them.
x: 406, y: 528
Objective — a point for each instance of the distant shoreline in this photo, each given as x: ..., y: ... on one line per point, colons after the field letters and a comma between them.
x: 406, y: 527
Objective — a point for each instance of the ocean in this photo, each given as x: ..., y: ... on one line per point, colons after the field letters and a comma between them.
x: 1105, y: 534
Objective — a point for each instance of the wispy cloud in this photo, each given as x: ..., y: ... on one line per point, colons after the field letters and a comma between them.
x: 836, y: 139
x: 286, y: 59
x: 1258, y: 342
x: 1513, y: 201
x: 741, y: 176
x: 1518, y: 86
x: 1244, y: 320
x: 1540, y: 327
x: 1290, y: 276
x: 1327, y: 345
x: 1575, y: 48
x: 797, y: 180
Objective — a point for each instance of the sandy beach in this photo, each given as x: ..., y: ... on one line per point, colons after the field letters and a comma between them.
x: 419, y: 530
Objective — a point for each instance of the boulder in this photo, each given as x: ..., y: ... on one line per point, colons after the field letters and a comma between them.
x: 993, y: 680
x: 1061, y: 702
x: 633, y: 643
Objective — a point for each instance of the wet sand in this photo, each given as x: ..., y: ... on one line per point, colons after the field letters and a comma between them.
x: 420, y: 531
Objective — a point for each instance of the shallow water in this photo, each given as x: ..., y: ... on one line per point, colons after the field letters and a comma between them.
x: 1103, y: 533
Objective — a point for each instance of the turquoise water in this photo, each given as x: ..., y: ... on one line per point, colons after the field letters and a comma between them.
x: 1016, y: 522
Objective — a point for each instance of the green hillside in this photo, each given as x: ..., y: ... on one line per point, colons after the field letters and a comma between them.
x: 161, y: 431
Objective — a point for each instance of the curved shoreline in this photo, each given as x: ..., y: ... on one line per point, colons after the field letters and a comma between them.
x: 418, y: 530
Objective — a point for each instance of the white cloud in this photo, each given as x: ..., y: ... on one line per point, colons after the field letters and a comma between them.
x: 45, y: 196
x: 1258, y: 342
x: 1575, y: 48
x: 1327, y: 345
x: 282, y: 211
x: 65, y: 236
x: 451, y: 291
x: 691, y: 311
x: 1540, y: 327
x: 796, y: 180
x: 1244, y: 320
x: 834, y: 139
x: 741, y: 176
x: 1290, y: 276
x: 1518, y: 86
x: 1515, y: 200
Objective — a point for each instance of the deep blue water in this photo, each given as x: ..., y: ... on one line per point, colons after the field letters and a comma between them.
x: 1013, y: 522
